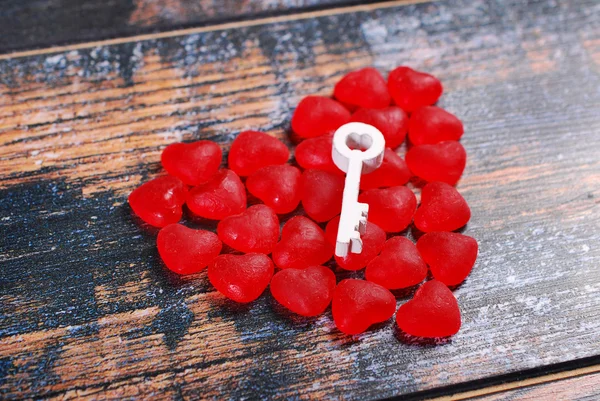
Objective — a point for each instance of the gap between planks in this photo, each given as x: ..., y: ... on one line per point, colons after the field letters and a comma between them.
x: 500, y: 388
x: 218, y: 27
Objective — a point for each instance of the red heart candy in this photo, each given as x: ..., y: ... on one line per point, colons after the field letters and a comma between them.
x: 450, y: 256
x: 392, y: 209
x: 158, y: 202
x: 241, y: 278
x: 431, y: 124
x: 444, y: 161
x: 391, y: 121
x: 277, y: 186
x: 442, y: 208
x: 373, y: 240
x: 224, y: 195
x: 306, y: 292
x: 302, y: 244
x: 186, y: 251
x: 252, y: 150
x: 392, y: 172
x: 357, y: 304
x: 398, y: 266
x: 412, y: 89
x: 433, y: 312
x: 318, y: 115
x: 255, y: 230
x: 315, y: 153
x: 321, y: 194
x: 363, y: 88
x: 194, y: 163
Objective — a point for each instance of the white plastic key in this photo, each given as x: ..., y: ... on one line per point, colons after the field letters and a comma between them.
x: 348, y: 141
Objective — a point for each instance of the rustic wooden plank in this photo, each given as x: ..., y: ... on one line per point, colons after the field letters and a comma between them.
x: 582, y: 388
x: 42, y: 23
x: 86, y: 310
x: 512, y: 383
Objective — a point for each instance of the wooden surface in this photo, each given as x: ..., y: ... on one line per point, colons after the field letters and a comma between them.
x: 87, y: 311
x: 39, y: 23
x: 583, y: 388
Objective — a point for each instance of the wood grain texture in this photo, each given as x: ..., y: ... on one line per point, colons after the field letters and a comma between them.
x: 513, y: 382
x: 41, y: 23
x: 86, y: 309
x: 583, y: 388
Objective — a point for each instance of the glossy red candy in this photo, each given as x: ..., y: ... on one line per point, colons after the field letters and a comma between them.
x: 398, y: 266
x: 302, y: 244
x: 321, y: 194
x: 241, y: 278
x: 391, y: 121
x: 363, y: 88
x: 444, y: 161
x: 392, y: 209
x: 306, y: 292
x: 186, y: 251
x: 224, y: 195
x: 252, y: 150
x: 432, y: 313
x: 254, y: 230
x: 158, y: 202
x: 431, y: 124
x: 277, y: 186
x: 193, y: 163
x: 392, y: 172
x: 315, y: 153
x: 412, y: 89
x: 442, y: 208
x: 357, y: 304
x: 450, y: 256
x: 318, y: 115
x: 373, y: 240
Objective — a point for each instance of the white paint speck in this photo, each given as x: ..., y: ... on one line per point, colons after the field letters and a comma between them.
x: 374, y: 31
x: 54, y: 60
x: 538, y: 231
x: 51, y: 155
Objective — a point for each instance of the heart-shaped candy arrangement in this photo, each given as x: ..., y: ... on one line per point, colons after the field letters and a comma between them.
x: 302, y: 250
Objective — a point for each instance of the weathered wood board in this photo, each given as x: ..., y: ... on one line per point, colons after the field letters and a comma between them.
x: 583, y: 388
x: 40, y: 23
x: 86, y: 309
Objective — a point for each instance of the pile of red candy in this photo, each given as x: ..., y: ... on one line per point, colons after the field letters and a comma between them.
x: 258, y: 164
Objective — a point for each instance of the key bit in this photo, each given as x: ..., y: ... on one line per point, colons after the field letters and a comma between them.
x: 357, y: 149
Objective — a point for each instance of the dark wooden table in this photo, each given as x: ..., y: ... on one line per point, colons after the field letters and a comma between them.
x: 88, y: 312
